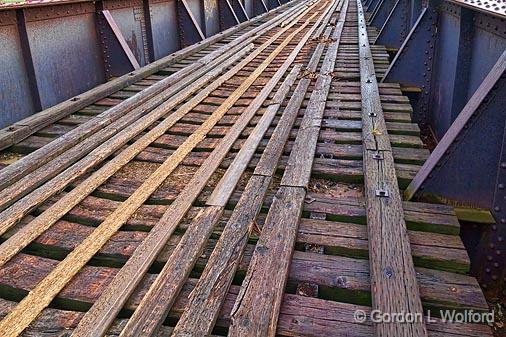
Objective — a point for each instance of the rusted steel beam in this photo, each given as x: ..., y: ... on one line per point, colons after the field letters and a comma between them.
x: 189, y: 28
x: 228, y: 16
x: 490, y: 264
x: 121, y: 39
x: 24, y: 128
x: 396, y: 27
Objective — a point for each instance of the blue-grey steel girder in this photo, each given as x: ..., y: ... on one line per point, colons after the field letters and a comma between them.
x: 371, y: 6
x: 490, y: 265
x: 412, y: 65
x: 464, y: 165
x: 396, y: 27
x: 381, y: 12
x: 228, y: 16
x: 28, y: 60
x: 190, y: 31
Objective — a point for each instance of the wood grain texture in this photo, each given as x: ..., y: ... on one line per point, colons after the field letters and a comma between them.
x: 37, y: 300
x: 162, y: 294
x: 298, y: 170
x: 257, y: 307
x: 209, y: 294
x: 394, y: 286
x: 97, y: 318
x: 14, y: 213
x: 22, y: 129
x: 256, y: 310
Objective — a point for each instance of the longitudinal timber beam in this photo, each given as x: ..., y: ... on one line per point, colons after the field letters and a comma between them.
x: 256, y: 311
x: 394, y: 287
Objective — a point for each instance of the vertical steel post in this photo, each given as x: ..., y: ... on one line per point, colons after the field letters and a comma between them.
x: 28, y: 60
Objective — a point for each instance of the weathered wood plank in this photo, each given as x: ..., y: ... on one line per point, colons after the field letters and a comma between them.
x: 209, y: 294
x: 256, y: 311
x: 38, y: 299
x: 26, y: 127
x: 394, y: 285
x: 130, y: 275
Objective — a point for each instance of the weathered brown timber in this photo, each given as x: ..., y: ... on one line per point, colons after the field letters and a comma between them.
x: 255, y: 312
x: 28, y: 126
x: 393, y: 278
x: 209, y: 294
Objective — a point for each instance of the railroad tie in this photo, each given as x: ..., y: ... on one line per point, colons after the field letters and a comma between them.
x: 9, y: 217
x: 188, y: 80
x: 138, y: 264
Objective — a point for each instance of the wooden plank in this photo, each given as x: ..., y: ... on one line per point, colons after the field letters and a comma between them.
x: 15, y: 212
x: 164, y: 290
x: 209, y: 294
x: 150, y: 98
x: 299, y: 316
x: 38, y: 299
x: 220, y: 195
x: 394, y: 286
x: 130, y: 275
x: 256, y: 311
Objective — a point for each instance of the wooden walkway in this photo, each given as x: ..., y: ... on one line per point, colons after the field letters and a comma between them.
x: 250, y: 188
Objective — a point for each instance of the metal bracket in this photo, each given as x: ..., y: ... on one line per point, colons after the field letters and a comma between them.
x: 381, y: 193
x: 412, y: 65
